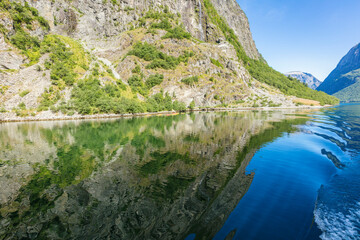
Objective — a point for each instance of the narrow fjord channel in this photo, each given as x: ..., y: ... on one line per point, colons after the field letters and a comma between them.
x: 235, y: 175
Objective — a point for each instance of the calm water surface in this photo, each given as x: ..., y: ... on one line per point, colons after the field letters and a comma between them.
x: 246, y: 175
x: 307, y: 183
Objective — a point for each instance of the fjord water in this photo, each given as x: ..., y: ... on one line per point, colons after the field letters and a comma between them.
x: 244, y: 175
x: 312, y: 174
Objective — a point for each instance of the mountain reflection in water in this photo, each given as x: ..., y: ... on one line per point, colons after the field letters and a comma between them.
x: 140, y: 178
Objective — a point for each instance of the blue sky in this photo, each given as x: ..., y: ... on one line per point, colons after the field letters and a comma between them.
x: 307, y: 35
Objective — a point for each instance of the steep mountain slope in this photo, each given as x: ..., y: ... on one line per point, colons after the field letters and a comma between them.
x: 343, y: 76
x: 307, y: 78
x: 120, y: 56
x: 237, y: 20
x: 352, y: 92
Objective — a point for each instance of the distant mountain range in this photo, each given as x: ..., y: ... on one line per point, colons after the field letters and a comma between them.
x: 304, y: 77
x: 344, y: 81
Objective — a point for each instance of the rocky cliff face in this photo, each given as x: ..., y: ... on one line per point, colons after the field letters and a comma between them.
x: 199, y: 53
x: 307, y: 78
x: 91, y: 20
x: 238, y: 21
x: 345, y: 75
x: 108, y: 30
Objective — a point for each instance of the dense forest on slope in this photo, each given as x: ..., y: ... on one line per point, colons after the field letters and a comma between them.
x: 343, y: 81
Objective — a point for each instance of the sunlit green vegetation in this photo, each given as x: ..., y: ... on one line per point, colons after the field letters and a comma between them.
x: 216, y: 63
x: 154, y: 80
x: 190, y: 80
x: 159, y: 102
x: 159, y: 15
x: 29, y: 45
x: 66, y: 56
x: 192, y: 105
x: 137, y: 84
x: 23, y: 14
x: 22, y: 40
x: 3, y: 89
x: 179, y: 106
x: 89, y: 97
x: 24, y: 93
x: 24, y: 18
x: 166, y: 19
x: 60, y: 61
x: 157, y: 58
x: 164, y: 24
x: 178, y: 33
x: 68, y: 62
x: 49, y: 97
x: 137, y: 69
x: 290, y: 86
x: 63, y: 60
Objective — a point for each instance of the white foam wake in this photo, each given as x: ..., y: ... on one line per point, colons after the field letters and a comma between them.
x: 337, y: 225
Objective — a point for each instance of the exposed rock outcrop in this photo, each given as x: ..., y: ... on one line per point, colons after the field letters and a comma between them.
x: 91, y: 20
x: 307, y: 78
x: 197, y: 53
x: 237, y: 20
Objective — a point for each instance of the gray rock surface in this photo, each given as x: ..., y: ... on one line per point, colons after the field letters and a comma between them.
x: 10, y: 61
x: 107, y: 31
x: 237, y: 20
x: 91, y: 20
x: 306, y: 78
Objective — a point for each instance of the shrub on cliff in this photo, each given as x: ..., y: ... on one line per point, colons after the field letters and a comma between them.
x: 179, y: 106
x: 159, y: 102
x: 154, y: 80
x: 158, y: 59
x: 190, y: 80
x: 60, y: 62
x: 164, y: 24
x: 24, y: 41
x: 178, y: 33
x: 89, y: 97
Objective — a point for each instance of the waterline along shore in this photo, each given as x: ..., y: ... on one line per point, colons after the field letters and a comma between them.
x: 50, y: 116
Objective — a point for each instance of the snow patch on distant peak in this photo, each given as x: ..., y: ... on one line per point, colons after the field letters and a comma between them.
x: 304, y: 77
x: 294, y: 72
